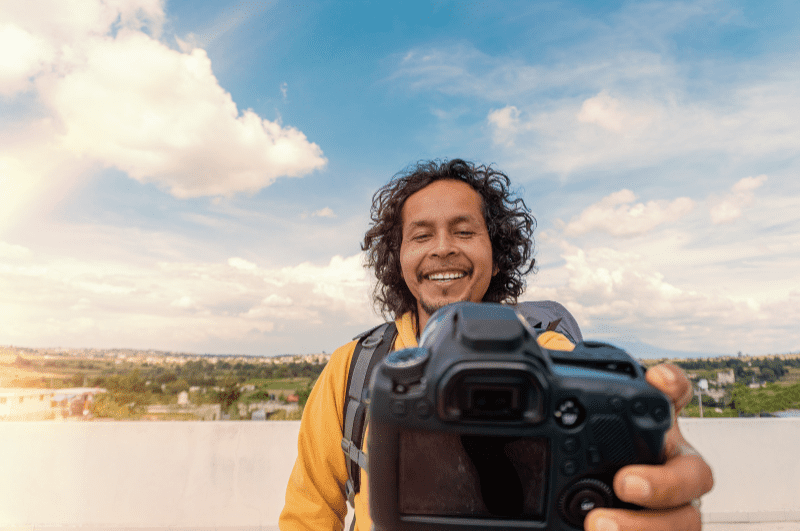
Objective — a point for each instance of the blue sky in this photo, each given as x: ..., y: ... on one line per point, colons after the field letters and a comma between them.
x: 197, y: 176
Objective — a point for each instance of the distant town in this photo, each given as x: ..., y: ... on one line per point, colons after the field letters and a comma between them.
x: 157, y: 356
x: 131, y: 384
x: 87, y: 384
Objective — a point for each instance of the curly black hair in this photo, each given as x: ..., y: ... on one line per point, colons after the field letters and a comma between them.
x: 508, y: 220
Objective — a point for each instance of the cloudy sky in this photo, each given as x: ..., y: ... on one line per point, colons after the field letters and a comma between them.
x: 197, y: 175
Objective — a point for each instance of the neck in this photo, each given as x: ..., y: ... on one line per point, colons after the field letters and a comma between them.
x: 421, y: 319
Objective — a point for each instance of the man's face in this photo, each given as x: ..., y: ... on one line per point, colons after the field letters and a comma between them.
x: 446, y: 254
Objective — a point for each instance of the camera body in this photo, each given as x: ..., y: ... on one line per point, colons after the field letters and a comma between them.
x: 479, y: 427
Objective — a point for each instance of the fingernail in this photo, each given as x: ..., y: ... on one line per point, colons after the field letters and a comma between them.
x: 605, y: 524
x: 636, y: 487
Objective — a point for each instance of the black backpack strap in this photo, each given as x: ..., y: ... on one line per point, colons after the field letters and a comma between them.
x: 372, y: 347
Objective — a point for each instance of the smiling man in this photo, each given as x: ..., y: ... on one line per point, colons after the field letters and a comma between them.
x: 449, y: 232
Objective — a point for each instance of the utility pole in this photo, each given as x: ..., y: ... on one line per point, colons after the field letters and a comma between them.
x: 701, y: 385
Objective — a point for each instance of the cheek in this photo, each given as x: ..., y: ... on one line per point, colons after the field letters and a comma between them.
x: 408, y: 265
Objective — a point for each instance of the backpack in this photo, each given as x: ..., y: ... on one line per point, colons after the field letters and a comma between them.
x: 374, y: 344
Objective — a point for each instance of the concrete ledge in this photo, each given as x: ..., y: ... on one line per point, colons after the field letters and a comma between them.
x: 145, y: 474
x: 231, y: 476
x: 753, y: 517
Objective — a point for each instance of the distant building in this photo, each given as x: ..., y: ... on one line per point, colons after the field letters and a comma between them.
x: 27, y: 404
x: 75, y: 401
x: 45, y: 404
x: 183, y: 398
x: 726, y: 377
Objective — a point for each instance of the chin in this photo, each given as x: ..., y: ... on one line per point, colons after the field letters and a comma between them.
x: 431, y: 306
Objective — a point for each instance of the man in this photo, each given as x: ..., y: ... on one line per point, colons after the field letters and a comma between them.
x: 448, y: 232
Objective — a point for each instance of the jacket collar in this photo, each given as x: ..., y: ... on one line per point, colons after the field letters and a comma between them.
x: 406, y: 331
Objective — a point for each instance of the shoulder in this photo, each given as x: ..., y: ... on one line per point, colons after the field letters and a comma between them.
x: 339, y: 364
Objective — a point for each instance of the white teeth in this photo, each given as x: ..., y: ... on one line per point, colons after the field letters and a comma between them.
x: 445, y: 276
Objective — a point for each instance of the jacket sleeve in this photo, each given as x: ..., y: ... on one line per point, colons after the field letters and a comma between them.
x: 315, y: 498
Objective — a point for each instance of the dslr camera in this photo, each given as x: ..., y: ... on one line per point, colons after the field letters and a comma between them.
x: 480, y: 427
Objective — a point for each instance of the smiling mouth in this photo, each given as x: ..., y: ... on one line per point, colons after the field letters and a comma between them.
x: 445, y: 276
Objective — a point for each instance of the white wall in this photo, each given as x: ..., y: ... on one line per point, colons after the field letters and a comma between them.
x: 232, y: 475
x: 145, y: 474
x: 756, y: 464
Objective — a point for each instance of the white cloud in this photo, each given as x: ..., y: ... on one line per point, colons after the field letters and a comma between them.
x: 613, y: 293
x: 8, y: 250
x: 242, y: 264
x: 109, y: 93
x: 612, y: 103
x: 504, y: 124
x: 30, y: 54
x: 730, y: 207
x: 690, y: 285
x: 602, y: 132
x: 325, y: 213
x: 616, y: 215
x: 225, y: 307
x: 615, y: 115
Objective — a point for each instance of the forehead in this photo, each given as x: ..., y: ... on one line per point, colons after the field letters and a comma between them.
x: 443, y: 200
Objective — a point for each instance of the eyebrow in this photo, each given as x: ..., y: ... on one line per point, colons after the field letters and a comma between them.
x: 455, y: 221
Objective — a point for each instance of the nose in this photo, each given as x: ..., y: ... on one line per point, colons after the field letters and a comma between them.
x: 444, y: 245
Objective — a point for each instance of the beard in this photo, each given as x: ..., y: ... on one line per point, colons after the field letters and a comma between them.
x: 430, y: 307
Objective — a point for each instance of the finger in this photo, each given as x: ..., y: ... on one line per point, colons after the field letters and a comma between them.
x: 685, y: 518
x: 671, y: 381
x: 677, y: 482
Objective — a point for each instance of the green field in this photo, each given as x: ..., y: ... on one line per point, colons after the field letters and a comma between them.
x: 693, y: 410
x: 279, y: 384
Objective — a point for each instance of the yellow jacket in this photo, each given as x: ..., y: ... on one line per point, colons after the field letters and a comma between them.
x: 315, y: 496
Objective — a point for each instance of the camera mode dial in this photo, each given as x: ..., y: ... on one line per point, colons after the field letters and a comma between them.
x: 406, y: 366
x: 582, y: 497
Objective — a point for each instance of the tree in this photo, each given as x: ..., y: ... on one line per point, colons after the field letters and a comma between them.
x: 303, y: 394
x: 176, y: 386
x: 768, y: 375
x: 227, y: 396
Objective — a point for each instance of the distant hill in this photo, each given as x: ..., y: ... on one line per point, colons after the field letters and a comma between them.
x: 641, y: 350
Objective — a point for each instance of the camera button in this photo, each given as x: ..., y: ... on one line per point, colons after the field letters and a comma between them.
x: 399, y: 408
x: 569, y: 413
x: 569, y: 467
x: 660, y: 413
x: 422, y: 409
x: 616, y: 403
x: 639, y: 407
x: 593, y: 455
x: 571, y: 445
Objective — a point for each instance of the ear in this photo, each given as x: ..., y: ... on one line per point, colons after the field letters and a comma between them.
x: 495, y: 269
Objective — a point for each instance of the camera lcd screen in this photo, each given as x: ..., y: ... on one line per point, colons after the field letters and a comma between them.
x: 446, y: 474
